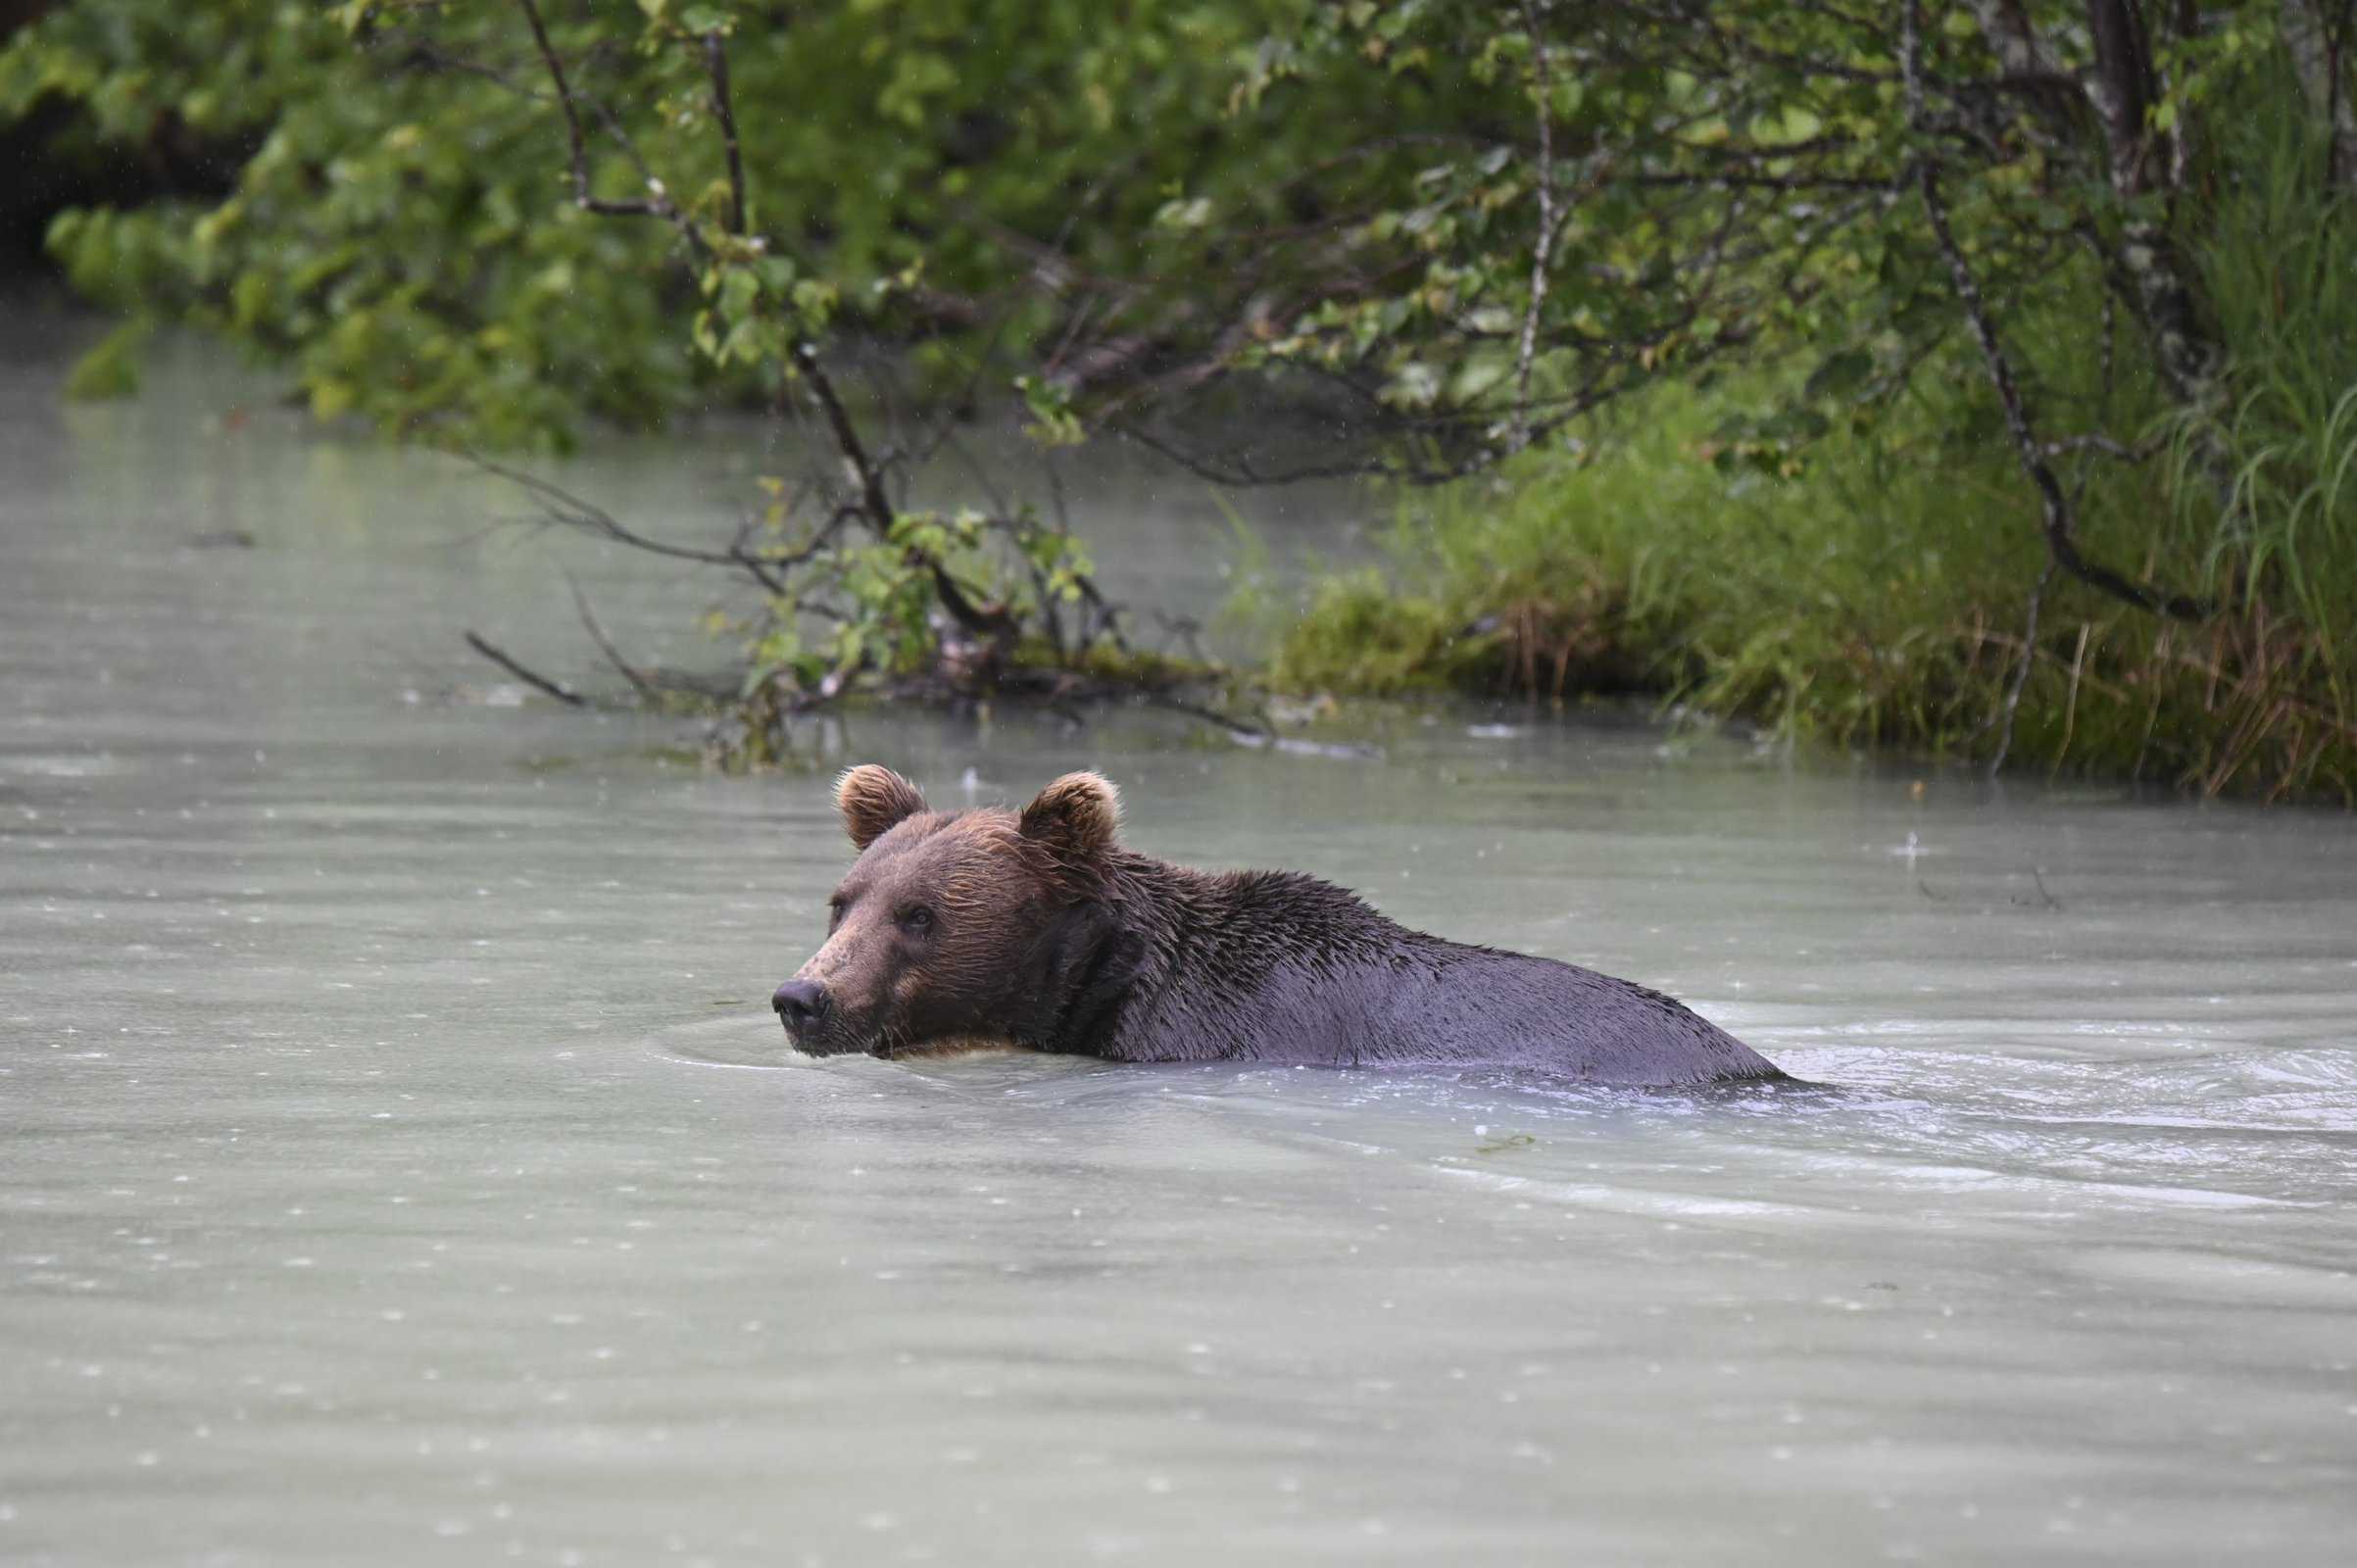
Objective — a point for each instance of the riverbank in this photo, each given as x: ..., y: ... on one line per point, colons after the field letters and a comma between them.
x: 1881, y: 596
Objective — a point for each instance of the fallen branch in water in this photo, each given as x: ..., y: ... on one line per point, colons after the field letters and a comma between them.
x: 561, y: 693
x: 1237, y: 729
x: 645, y: 688
x: 2046, y: 898
x: 1257, y: 736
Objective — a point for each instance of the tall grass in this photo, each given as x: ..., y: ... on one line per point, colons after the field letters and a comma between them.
x: 2276, y: 267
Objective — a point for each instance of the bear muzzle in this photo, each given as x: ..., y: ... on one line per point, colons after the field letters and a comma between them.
x: 801, y: 1006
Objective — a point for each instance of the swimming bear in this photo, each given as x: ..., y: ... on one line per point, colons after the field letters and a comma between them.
x: 1036, y: 929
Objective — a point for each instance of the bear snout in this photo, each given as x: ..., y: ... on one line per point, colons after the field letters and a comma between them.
x: 800, y: 1005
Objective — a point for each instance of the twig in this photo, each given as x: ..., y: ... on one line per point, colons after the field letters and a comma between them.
x: 659, y: 206
x: 983, y: 621
x: 575, y: 513
x: 597, y: 634
x: 1251, y: 734
x: 869, y: 473
x: 866, y: 476
x: 1910, y: 62
x: 562, y: 694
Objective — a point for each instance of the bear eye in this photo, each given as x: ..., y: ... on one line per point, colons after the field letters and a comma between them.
x: 834, y: 911
x: 916, y: 920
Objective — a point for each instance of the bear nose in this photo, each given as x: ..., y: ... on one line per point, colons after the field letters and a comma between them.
x: 800, y: 1002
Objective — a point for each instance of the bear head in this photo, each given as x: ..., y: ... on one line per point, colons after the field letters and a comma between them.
x: 953, y: 926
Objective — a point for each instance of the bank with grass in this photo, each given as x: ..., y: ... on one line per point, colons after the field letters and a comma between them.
x: 1898, y: 602
x: 1865, y: 605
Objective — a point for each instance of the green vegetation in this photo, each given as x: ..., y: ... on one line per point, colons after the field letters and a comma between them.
x: 1877, y: 600
x: 1975, y: 379
x: 1873, y: 586
x: 380, y: 194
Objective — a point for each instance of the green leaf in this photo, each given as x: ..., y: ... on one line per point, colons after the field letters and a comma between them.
x: 111, y: 367
x: 1839, y: 374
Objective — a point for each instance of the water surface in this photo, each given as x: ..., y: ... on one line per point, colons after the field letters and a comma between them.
x: 398, y: 1162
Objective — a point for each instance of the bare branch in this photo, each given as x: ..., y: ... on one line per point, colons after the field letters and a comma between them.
x: 2057, y: 507
x: 657, y: 205
x: 597, y: 634
x: 571, y: 510
x: 561, y: 693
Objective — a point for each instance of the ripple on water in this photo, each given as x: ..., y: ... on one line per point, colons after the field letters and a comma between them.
x: 732, y: 1038
x: 737, y: 1040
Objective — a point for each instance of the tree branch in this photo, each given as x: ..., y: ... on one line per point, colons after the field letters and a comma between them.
x: 1542, y: 70
x: 614, y: 656
x: 2055, y: 505
x: 657, y: 205
x: 574, y: 512
x: 562, y: 694
x: 715, y: 64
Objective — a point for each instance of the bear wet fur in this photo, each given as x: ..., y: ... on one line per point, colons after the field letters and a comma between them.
x: 1040, y: 929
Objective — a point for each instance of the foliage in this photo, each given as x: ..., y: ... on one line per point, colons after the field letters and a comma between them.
x: 398, y: 233
x: 111, y: 369
x: 387, y: 237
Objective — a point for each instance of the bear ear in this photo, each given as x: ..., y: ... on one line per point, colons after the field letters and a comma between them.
x: 871, y: 800
x: 1077, y: 815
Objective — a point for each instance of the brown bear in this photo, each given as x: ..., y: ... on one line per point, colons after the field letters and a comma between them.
x: 1033, y: 928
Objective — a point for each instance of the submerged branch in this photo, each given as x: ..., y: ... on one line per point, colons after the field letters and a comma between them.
x: 563, y: 693
x: 639, y: 682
